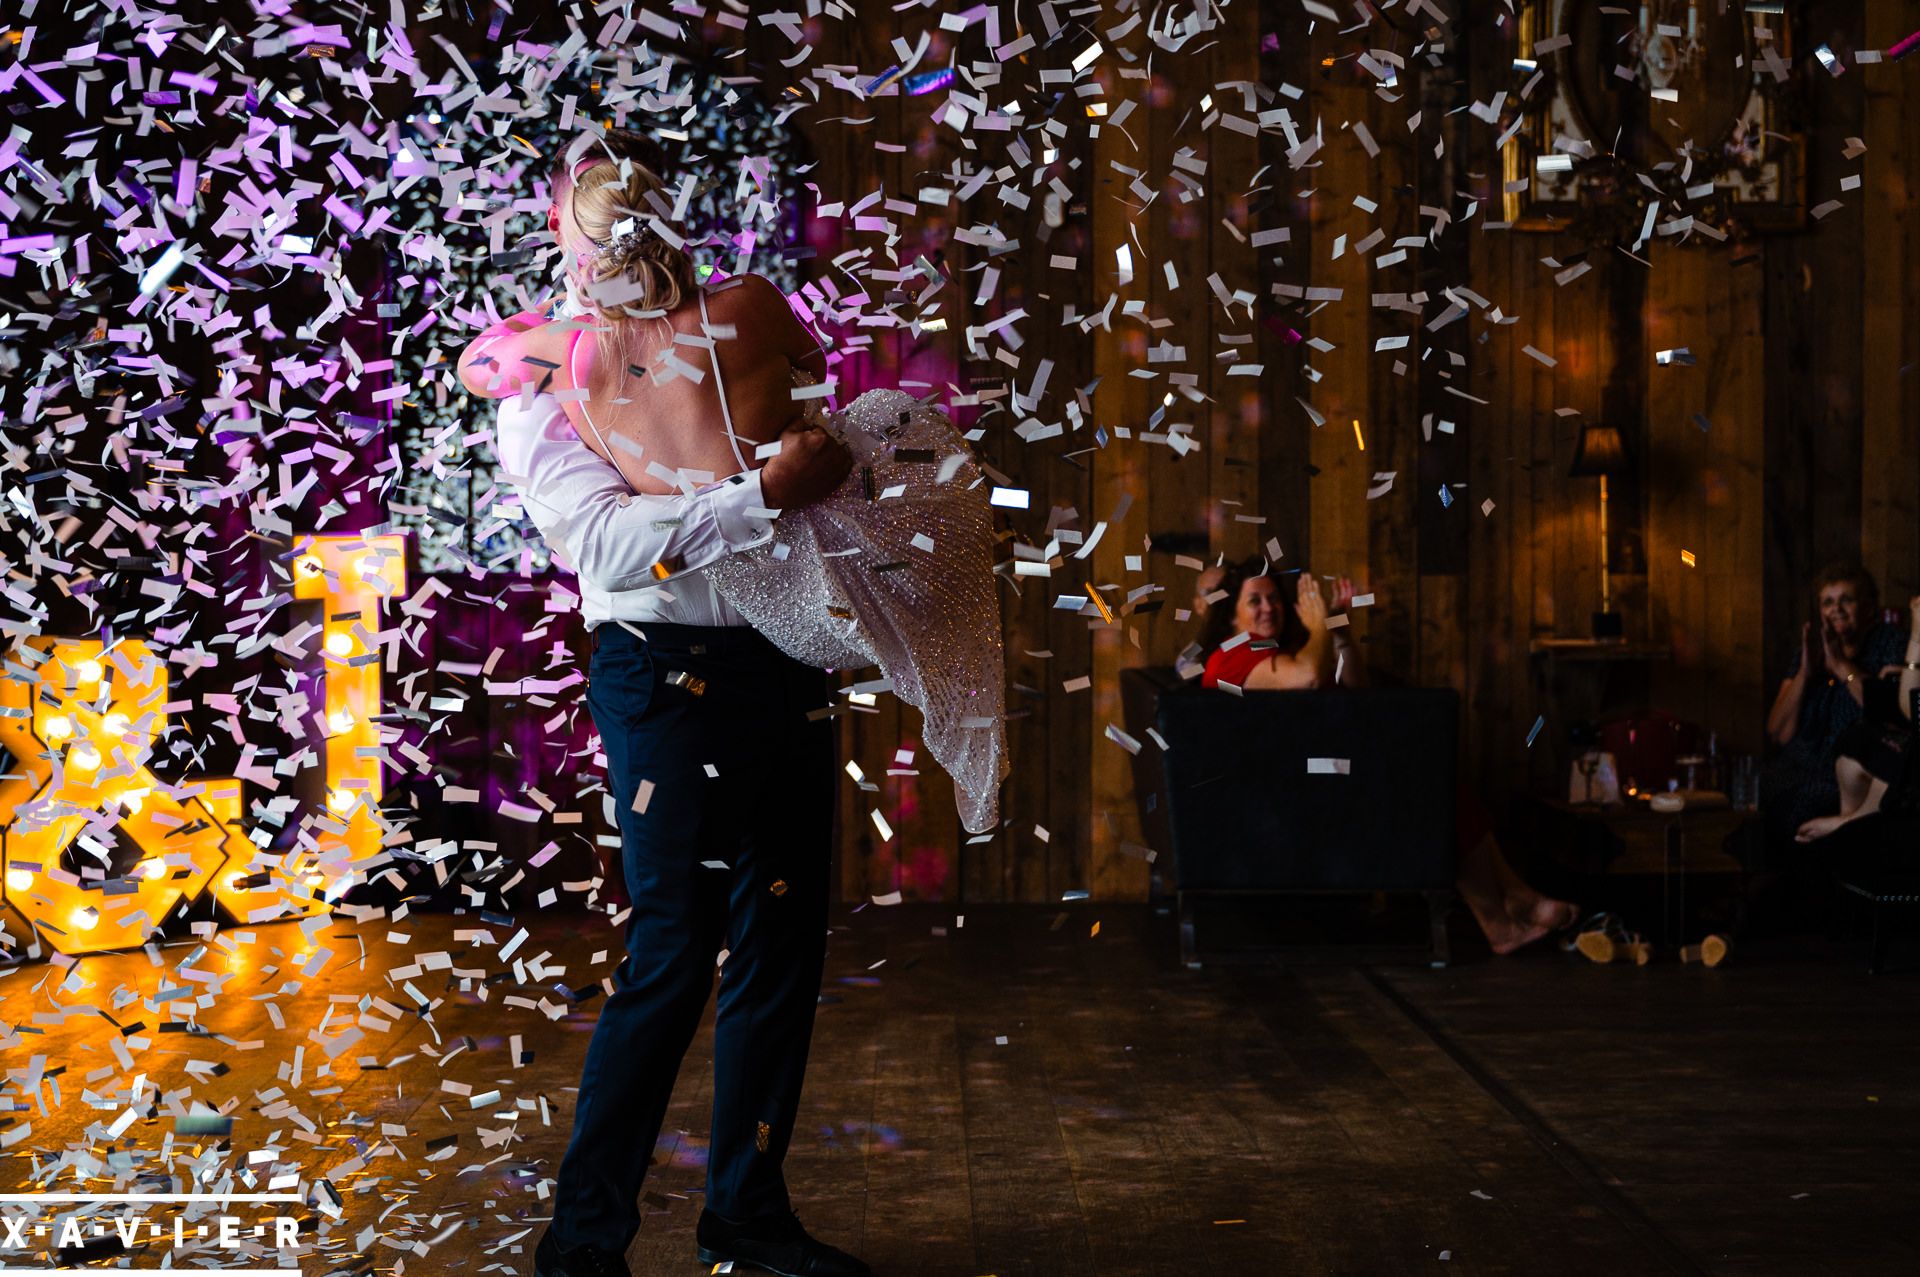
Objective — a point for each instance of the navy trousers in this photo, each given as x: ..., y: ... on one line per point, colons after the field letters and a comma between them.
x: 725, y: 794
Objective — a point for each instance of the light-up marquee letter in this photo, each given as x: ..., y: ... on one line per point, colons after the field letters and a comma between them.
x: 80, y: 720
x: 259, y: 884
x: 351, y: 576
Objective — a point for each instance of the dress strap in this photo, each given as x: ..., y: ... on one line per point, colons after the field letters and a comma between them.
x: 720, y: 383
x: 573, y: 375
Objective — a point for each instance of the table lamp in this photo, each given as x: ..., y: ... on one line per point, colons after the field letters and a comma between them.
x: 1600, y: 452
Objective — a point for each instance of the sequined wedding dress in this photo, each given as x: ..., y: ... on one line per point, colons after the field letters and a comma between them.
x: 895, y: 570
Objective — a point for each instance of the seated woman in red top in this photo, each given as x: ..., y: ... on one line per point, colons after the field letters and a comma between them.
x: 1284, y: 648
x: 1294, y: 648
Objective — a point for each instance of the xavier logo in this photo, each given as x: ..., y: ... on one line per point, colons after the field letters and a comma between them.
x: 62, y: 1227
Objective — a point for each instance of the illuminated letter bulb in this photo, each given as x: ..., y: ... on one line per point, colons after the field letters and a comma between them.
x: 19, y: 880
x: 84, y: 756
x: 83, y: 919
x: 89, y: 671
x: 359, y: 575
x: 59, y: 727
x: 115, y: 724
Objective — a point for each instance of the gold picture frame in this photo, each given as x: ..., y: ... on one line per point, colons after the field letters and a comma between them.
x: 1625, y: 105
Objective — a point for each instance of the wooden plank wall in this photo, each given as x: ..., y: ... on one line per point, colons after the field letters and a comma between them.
x: 1793, y: 438
x: 1890, y: 338
x: 1842, y: 339
x: 1068, y: 807
x: 894, y: 145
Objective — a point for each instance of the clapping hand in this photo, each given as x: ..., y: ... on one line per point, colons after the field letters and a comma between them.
x: 1311, y: 606
x: 1342, y: 596
x: 1830, y: 650
x: 1208, y: 581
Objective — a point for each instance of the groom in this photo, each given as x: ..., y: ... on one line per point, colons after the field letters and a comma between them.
x: 723, y: 780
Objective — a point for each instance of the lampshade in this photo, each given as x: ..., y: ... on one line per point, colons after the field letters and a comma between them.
x: 1601, y: 451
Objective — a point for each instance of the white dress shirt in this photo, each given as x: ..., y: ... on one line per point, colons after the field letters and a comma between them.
x: 637, y: 557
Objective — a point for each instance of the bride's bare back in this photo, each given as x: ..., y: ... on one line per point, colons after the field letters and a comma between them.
x: 666, y: 423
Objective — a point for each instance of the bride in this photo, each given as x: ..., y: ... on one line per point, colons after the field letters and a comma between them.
x: 893, y: 569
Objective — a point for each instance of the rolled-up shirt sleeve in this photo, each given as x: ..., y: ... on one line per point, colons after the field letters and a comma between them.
x: 611, y: 537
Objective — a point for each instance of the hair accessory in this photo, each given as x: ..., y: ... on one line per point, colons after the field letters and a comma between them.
x: 636, y: 234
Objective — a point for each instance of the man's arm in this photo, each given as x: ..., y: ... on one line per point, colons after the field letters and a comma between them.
x: 613, y: 538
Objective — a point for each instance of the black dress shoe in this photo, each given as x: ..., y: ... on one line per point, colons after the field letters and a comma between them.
x: 549, y: 1260
x: 776, y: 1243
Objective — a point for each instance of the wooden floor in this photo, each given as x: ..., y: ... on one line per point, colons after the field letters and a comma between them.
x: 1022, y: 1096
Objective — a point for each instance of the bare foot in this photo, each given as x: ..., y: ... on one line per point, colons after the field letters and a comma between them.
x: 1506, y: 935
x: 1555, y: 914
x: 1819, y: 828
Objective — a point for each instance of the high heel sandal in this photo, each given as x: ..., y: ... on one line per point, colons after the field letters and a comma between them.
x: 1604, y: 938
x: 1710, y: 952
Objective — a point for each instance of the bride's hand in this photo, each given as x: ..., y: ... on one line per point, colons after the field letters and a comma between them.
x: 810, y: 464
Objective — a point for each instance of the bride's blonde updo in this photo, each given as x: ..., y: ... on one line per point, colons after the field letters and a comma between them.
x: 621, y: 234
x: 625, y: 262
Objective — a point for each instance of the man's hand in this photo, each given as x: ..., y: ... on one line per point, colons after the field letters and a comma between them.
x: 810, y: 464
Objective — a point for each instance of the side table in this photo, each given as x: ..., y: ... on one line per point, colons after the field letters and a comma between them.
x: 1674, y: 845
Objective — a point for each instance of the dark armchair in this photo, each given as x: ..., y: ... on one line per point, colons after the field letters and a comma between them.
x: 1328, y: 792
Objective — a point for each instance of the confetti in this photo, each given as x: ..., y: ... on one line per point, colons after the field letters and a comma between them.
x: 333, y: 659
